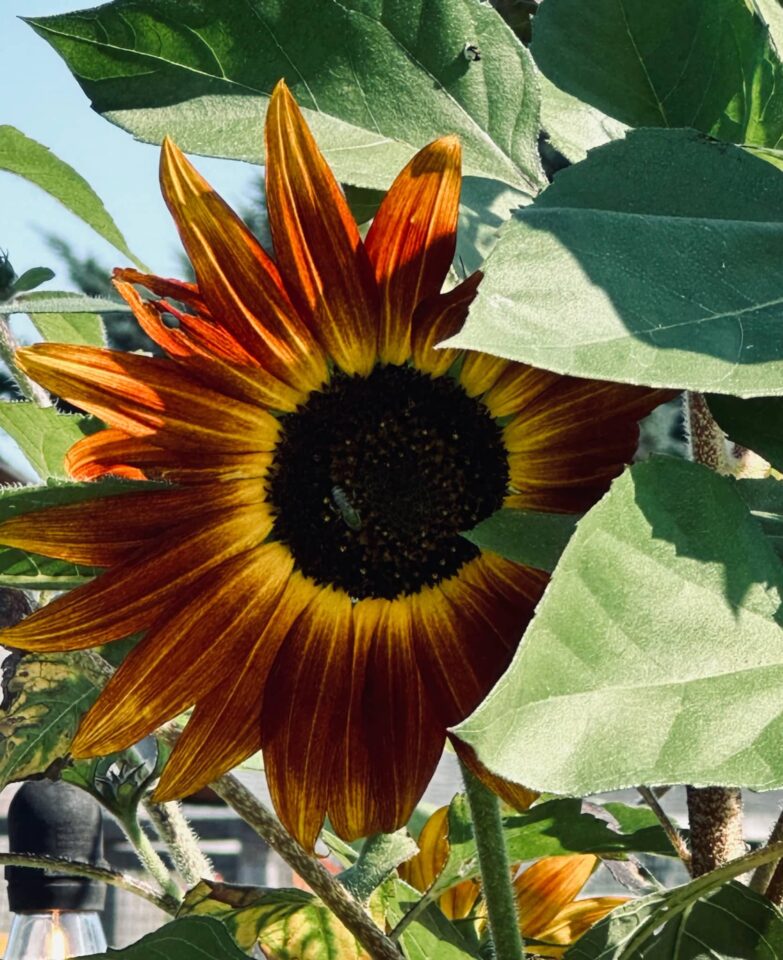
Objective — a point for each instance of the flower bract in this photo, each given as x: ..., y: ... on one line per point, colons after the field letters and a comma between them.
x: 299, y: 575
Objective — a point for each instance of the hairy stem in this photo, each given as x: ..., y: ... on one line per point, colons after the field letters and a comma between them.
x: 150, y: 859
x: 180, y: 838
x: 350, y: 913
x: 78, y: 869
x: 715, y: 813
x: 674, y: 835
x: 496, y: 886
x: 763, y: 875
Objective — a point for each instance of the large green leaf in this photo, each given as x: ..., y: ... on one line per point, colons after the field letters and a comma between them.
x: 765, y: 501
x: 728, y: 923
x: 192, y: 938
x: 756, y: 424
x: 654, y: 261
x: 642, y: 691
x: 430, y: 936
x: 378, y: 78
x: 673, y: 63
x: 572, y: 126
x: 45, y: 696
x: 535, y: 539
x: 68, y: 327
x: 29, y: 159
x: 43, y: 435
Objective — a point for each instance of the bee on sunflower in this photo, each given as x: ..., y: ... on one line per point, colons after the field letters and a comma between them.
x: 300, y: 579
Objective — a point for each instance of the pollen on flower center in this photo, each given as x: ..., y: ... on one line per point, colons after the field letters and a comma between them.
x: 374, y: 478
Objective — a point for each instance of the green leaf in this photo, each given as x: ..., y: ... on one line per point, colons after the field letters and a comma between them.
x: 192, y: 938
x: 61, y: 301
x: 377, y: 80
x: 765, y: 501
x: 45, y: 696
x: 31, y: 279
x: 675, y: 63
x: 430, y: 936
x: 654, y: 261
x: 485, y: 205
x: 535, y: 539
x: 379, y: 857
x: 61, y: 327
x: 639, y: 691
x: 572, y: 126
x: 756, y: 424
x: 30, y: 571
x: 43, y: 435
x: 245, y: 911
x: 34, y: 162
x: 727, y: 923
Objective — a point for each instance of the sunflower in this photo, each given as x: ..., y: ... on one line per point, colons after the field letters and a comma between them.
x: 300, y: 578
x: 550, y: 916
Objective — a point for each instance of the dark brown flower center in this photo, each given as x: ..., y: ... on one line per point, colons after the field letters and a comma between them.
x: 374, y: 478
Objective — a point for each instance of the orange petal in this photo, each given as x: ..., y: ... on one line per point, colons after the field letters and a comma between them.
x: 574, y: 920
x: 480, y: 372
x: 305, y: 703
x: 476, y: 619
x: 517, y: 387
x: 177, y: 290
x: 238, y: 281
x: 191, y: 650
x: 572, y: 439
x: 317, y: 245
x: 402, y: 736
x: 146, y: 396
x: 546, y: 887
x: 514, y: 794
x: 103, y: 531
x: 412, y: 239
x: 129, y: 597
x: 435, y: 320
x: 225, y: 727
x: 114, y: 452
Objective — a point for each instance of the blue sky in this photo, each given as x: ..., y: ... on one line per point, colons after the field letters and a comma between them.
x: 40, y: 97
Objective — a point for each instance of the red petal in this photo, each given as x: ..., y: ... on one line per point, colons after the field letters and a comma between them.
x: 437, y: 319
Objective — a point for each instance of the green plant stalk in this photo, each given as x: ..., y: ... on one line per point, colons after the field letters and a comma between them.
x: 496, y: 886
x: 150, y: 859
x: 180, y: 838
x: 8, y: 346
x: 104, y: 875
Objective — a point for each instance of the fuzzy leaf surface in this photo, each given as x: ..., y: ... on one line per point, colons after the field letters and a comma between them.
x: 431, y: 936
x: 33, y: 161
x: 675, y: 63
x: 653, y: 262
x: 378, y: 79
x: 642, y: 692
x: 534, y: 539
x: 191, y: 938
x: 727, y: 923
x: 43, y: 435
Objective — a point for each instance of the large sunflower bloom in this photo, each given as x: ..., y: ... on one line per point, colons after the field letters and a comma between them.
x: 302, y: 582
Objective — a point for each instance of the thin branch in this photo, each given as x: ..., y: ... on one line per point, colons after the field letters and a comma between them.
x: 762, y: 877
x: 675, y: 837
x: 180, y: 838
x: 347, y: 910
x: 103, y: 874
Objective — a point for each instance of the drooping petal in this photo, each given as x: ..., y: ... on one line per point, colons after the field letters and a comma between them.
x: 412, y: 239
x: 305, y: 702
x: 192, y: 650
x: 114, y: 452
x: 106, y: 530
x: 225, y: 727
x: 438, y: 318
x: 130, y: 596
x: 574, y: 920
x: 317, y: 244
x: 237, y: 279
x: 165, y: 287
x: 147, y: 396
x: 545, y: 888
x: 572, y: 439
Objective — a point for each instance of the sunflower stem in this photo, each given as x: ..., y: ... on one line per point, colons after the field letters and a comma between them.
x: 104, y: 875
x: 496, y: 885
x: 150, y: 859
x: 8, y: 346
x: 671, y: 831
x: 173, y: 828
x: 347, y: 910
